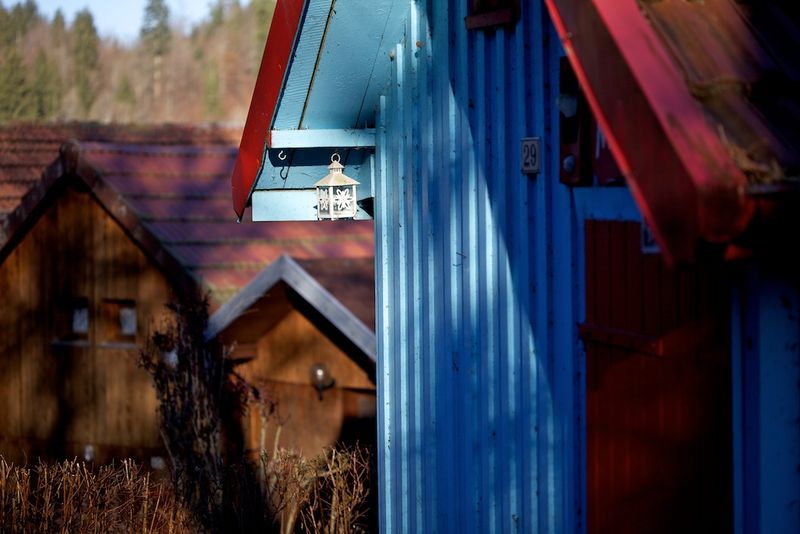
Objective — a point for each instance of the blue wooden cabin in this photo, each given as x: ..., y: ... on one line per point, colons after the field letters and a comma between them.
x: 586, y: 220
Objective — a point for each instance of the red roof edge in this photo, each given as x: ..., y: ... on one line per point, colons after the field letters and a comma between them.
x: 679, y: 172
x: 274, y: 64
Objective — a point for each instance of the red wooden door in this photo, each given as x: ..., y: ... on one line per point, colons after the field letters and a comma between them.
x: 658, y: 403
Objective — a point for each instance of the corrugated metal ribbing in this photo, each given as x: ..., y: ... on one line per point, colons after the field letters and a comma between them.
x: 469, y: 436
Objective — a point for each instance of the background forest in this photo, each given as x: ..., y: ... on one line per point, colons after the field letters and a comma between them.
x: 54, y: 71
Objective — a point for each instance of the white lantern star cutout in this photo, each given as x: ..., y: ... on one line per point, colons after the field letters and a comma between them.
x: 336, y: 193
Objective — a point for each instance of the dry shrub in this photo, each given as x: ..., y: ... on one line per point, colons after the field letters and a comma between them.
x: 337, y: 501
x: 326, y: 494
x: 71, y: 497
x: 201, y: 403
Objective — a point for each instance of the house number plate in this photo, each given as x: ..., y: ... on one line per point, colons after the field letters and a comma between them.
x: 530, y: 155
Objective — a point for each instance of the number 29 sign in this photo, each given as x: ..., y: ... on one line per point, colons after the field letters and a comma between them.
x: 530, y: 155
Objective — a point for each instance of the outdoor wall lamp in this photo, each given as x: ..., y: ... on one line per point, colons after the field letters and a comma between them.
x: 336, y: 193
x: 321, y: 378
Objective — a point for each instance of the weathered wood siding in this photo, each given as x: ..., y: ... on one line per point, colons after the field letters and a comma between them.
x: 281, y: 371
x: 61, y: 394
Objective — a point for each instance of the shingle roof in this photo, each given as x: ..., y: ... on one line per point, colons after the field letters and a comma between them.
x: 175, y: 181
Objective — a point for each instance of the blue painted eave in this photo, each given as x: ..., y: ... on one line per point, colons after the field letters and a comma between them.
x: 340, y: 64
x: 338, y: 69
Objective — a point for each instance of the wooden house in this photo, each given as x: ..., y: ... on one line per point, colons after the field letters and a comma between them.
x: 268, y: 325
x: 586, y: 270
x: 97, y: 236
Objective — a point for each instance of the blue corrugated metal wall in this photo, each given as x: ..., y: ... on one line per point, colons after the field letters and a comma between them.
x: 478, y: 389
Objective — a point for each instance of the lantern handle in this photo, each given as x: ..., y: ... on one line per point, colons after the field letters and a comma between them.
x: 335, y: 155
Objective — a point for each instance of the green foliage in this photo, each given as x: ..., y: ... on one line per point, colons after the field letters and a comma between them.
x: 262, y: 9
x: 46, y: 88
x: 217, y: 17
x: 125, y: 93
x: 211, y: 93
x: 207, y: 76
x: 24, y: 16
x: 17, y: 102
x: 155, y: 32
x: 85, y: 54
x: 59, y: 25
x: 7, y: 32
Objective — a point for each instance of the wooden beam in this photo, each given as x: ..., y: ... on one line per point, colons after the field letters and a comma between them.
x: 338, y: 138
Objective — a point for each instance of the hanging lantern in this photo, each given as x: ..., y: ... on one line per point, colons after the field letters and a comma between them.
x: 336, y: 193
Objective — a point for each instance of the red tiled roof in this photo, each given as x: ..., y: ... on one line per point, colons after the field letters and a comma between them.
x: 344, y: 278
x: 175, y: 181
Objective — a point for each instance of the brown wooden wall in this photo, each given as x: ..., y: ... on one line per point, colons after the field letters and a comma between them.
x: 658, y: 402
x: 281, y: 370
x: 60, y: 393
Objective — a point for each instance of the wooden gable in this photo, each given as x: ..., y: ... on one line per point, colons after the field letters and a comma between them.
x: 65, y: 392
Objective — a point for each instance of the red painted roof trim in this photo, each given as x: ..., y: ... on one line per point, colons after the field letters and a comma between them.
x: 678, y: 170
x: 274, y: 63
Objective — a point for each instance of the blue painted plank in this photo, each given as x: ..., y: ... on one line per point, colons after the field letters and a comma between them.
x: 778, y: 297
x: 306, y: 50
x: 353, y: 45
x: 384, y: 335
x: 285, y: 205
x: 461, y: 248
x: 605, y: 204
x: 335, y: 138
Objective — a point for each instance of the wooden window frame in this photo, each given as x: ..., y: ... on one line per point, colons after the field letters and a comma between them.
x: 112, y: 321
x: 65, y: 323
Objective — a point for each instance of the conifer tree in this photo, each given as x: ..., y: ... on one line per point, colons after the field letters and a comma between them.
x: 16, y: 101
x: 263, y: 14
x: 155, y: 32
x: 211, y: 92
x: 59, y: 26
x: 156, y: 36
x: 125, y: 96
x: 85, y: 54
x: 7, y: 32
x: 125, y: 93
x: 46, y: 88
x: 24, y: 16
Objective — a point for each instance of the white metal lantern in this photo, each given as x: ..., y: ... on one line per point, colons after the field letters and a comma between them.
x: 336, y: 193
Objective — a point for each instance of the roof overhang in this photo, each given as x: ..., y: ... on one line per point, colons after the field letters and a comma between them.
x: 325, y: 306
x: 680, y: 174
x: 72, y: 164
x: 324, y: 66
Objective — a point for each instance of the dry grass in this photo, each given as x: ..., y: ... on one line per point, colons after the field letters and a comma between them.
x: 325, y: 494
x: 70, y: 497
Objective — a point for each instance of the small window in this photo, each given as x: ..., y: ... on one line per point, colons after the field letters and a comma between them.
x: 487, y: 13
x: 119, y: 320
x: 80, y: 318
x: 127, y: 320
